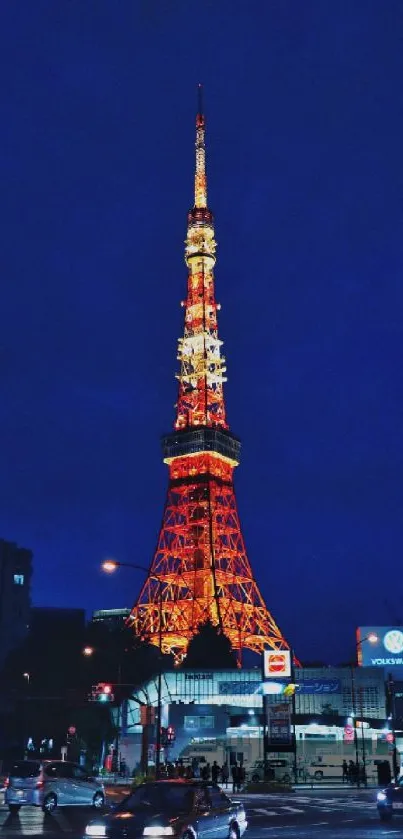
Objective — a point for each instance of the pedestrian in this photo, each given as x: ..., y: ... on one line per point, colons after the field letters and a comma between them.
x: 241, y: 777
x: 205, y: 772
x: 351, y: 771
x: 234, y: 773
x: 345, y: 772
x: 225, y: 773
x: 215, y: 771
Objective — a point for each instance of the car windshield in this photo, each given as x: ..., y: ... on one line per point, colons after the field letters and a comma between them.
x: 25, y: 769
x: 163, y: 797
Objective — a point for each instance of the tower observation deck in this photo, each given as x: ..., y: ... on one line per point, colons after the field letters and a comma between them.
x: 200, y: 570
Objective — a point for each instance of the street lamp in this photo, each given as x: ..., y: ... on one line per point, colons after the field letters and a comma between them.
x: 109, y: 566
x: 88, y: 651
x: 27, y: 676
x: 373, y: 639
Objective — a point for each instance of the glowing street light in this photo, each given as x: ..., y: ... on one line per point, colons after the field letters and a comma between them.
x: 88, y: 651
x: 26, y: 676
x: 110, y: 565
x: 372, y: 638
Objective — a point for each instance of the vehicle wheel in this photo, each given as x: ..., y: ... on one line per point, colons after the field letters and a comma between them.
x: 14, y: 808
x: 255, y: 779
x: 233, y: 832
x: 318, y: 775
x: 385, y: 815
x: 98, y: 801
x: 50, y: 803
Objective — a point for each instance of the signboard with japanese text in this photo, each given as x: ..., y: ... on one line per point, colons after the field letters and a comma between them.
x: 322, y: 687
x: 278, y: 718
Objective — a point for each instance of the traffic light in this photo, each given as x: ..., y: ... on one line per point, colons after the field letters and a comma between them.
x: 102, y: 693
x: 171, y: 736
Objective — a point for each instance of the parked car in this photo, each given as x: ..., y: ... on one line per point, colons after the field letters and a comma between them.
x: 390, y: 800
x: 50, y: 784
x: 328, y: 768
x: 276, y: 768
x: 176, y: 808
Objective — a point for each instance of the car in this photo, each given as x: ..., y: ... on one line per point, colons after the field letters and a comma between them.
x: 390, y: 800
x: 179, y: 808
x: 276, y: 769
x: 50, y: 784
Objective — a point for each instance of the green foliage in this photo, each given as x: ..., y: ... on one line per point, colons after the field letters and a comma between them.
x: 209, y: 648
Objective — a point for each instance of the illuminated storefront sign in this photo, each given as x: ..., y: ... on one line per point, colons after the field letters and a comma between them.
x: 276, y: 664
x: 279, y: 725
x: 386, y: 651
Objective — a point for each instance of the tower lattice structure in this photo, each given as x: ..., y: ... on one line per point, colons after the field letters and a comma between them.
x: 200, y: 570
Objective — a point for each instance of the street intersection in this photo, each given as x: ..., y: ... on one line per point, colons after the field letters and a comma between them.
x: 305, y: 814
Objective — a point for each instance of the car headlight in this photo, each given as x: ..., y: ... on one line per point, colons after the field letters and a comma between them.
x: 158, y: 830
x: 381, y: 796
x: 95, y: 830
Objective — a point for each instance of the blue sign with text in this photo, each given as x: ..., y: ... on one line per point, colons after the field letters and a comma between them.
x: 322, y: 687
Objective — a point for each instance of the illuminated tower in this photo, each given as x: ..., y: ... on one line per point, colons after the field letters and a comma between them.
x: 200, y: 569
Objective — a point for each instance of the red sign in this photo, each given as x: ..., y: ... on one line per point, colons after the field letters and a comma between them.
x: 276, y: 663
x: 348, y: 734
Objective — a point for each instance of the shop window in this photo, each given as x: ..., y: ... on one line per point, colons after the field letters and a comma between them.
x: 18, y: 579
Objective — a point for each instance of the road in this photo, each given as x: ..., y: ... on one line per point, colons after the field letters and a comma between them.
x: 326, y: 814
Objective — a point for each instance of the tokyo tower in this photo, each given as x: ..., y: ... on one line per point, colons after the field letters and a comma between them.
x: 200, y: 570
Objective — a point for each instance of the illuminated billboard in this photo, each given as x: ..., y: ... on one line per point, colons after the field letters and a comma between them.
x: 380, y: 646
x: 276, y: 664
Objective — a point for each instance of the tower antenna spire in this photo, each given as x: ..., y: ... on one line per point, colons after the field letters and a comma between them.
x: 200, y: 173
x: 200, y: 99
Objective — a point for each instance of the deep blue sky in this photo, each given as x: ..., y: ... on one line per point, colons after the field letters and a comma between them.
x: 305, y: 139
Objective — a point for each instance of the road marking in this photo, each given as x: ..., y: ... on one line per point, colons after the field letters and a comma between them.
x: 292, y: 810
x: 317, y: 824
x: 347, y: 820
x: 264, y: 812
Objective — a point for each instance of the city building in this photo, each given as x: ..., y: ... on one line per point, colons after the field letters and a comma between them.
x: 220, y: 715
x: 15, y: 595
x: 110, y: 618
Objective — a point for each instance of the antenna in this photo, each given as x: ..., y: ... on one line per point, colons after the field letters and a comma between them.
x: 200, y: 98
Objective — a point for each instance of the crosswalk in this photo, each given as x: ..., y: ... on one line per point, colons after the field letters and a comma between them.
x: 31, y: 821
x: 300, y: 805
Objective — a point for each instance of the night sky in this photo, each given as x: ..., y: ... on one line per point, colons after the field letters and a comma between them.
x: 305, y: 139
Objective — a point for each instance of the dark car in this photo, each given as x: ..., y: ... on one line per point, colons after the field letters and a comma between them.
x: 177, y: 808
x: 390, y: 800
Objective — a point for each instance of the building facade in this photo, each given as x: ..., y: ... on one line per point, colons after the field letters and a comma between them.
x: 110, y: 618
x: 15, y: 595
x: 221, y: 715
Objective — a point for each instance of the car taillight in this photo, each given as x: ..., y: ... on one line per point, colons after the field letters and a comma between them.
x: 39, y: 784
x: 7, y: 782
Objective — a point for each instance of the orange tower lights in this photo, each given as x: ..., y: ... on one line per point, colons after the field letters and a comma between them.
x: 200, y: 570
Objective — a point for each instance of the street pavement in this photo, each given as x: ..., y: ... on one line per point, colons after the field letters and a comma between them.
x: 316, y: 814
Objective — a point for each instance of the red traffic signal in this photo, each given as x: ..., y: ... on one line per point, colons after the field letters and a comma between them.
x: 171, y: 736
x: 102, y: 693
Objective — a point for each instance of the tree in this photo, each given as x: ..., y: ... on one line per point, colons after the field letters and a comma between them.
x: 209, y: 648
